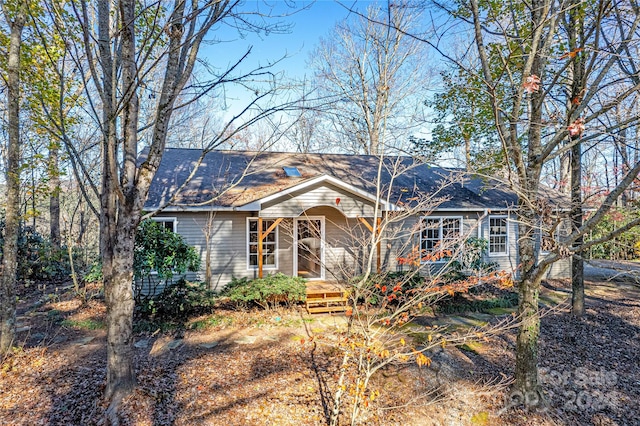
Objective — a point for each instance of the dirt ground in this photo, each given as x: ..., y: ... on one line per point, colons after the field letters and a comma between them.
x: 260, y: 368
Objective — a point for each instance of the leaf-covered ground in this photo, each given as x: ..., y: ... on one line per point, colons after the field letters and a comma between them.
x: 259, y: 368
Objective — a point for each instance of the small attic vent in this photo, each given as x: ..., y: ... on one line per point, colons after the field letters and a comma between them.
x: 292, y: 172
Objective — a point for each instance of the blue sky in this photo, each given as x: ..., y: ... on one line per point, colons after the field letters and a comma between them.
x: 314, y: 20
x: 308, y: 21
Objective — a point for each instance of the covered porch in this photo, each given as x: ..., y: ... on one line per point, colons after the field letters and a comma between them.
x: 323, y: 226
x: 325, y: 292
x: 316, y: 244
x: 321, y: 253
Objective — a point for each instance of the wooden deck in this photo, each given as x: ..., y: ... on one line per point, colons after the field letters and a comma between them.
x: 324, y: 296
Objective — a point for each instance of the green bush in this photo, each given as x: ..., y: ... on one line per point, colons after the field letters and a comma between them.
x: 37, y: 259
x: 625, y: 246
x: 178, y: 301
x: 266, y: 292
x: 87, y: 324
x: 159, y: 255
x: 95, y: 272
x: 459, y: 303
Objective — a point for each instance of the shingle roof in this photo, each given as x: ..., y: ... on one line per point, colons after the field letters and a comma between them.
x: 265, y: 176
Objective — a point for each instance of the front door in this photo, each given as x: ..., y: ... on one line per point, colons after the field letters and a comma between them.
x: 310, y: 248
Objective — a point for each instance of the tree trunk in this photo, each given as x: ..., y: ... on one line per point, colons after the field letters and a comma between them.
x: 117, y: 268
x: 577, y: 285
x: 82, y: 227
x: 208, y: 234
x: 526, y: 387
x: 526, y: 374
x: 467, y: 153
x: 125, y: 183
x: 54, y: 197
x: 564, y: 174
x: 578, y: 86
x: 527, y: 340
x: 577, y: 262
x: 208, y: 275
x: 621, y: 142
x: 12, y: 220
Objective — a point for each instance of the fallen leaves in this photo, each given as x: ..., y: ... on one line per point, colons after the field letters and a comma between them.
x: 275, y: 381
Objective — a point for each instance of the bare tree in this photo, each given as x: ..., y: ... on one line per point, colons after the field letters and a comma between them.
x: 208, y: 231
x: 381, y: 304
x: 524, y: 75
x: 141, y: 59
x: 576, y: 85
x: 126, y: 48
x: 373, y: 73
x: 53, y: 100
x: 525, y: 72
x: 15, y: 14
x: 303, y: 133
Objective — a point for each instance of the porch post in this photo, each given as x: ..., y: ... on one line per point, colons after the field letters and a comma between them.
x: 260, y: 239
x: 378, y: 245
x: 376, y: 232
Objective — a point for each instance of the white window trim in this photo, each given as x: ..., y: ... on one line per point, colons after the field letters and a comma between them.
x: 506, y: 244
x: 248, y: 242
x: 441, y: 218
x: 161, y: 219
x: 167, y: 219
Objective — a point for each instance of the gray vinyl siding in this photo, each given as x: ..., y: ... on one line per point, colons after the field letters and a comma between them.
x: 319, y: 195
x: 474, y: 225
x: 227, y: 242
x: 504, y: 262
x: 346, y: 241
x: 559, y: 269
x: 398, y: 239
x: 510, y: 262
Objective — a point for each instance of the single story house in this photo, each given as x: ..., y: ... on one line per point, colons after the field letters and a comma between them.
x: 312, y: 215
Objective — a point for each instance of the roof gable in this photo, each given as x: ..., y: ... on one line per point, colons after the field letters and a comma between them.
x: 308, y: 183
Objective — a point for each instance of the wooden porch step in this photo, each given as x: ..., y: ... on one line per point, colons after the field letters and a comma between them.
x: 326, y: 298
x: 323, y: 290
x: 324, y: 293
x: 320, y: 309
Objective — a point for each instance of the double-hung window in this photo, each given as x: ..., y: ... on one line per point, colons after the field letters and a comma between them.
x: 498, y: 235
x: 269, y: 244
x: 166, y: 222
x: 438, y: 234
